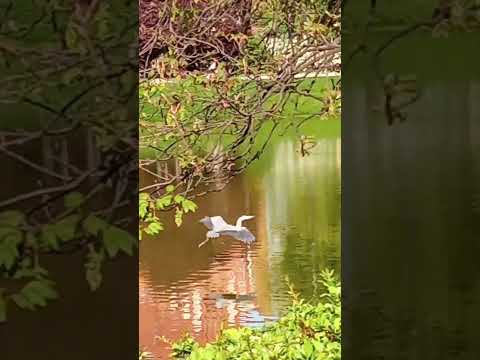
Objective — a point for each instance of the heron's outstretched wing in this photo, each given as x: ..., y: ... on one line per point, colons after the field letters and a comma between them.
x: 218, y: 223
x: 243, y: 235
x: 207, y: 222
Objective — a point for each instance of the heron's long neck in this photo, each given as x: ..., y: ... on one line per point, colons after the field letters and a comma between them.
x: 239, y: 221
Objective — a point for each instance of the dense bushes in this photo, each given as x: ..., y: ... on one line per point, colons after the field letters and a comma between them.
x: 306, y: 331
x: 181, y: 36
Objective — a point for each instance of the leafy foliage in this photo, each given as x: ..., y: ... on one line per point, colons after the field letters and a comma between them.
x: 66, y: 76
x: 21, y: 245
x: 148, y: 208
x: 307, y: 331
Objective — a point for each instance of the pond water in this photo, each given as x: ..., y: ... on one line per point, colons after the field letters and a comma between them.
x: 296, y: 204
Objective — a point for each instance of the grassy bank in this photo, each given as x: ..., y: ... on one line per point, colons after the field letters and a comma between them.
x: 301, y: 115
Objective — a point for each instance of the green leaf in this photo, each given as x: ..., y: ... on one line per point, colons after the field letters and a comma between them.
x: 28, y: 273
x: 337, y: 323
x: 93, y: 268
x: 71, y: 37
x: 143, y: 196
x: 71, y: 74
x: 189, y: 205
x: 154, y: 228
x: 115, y: 239
x: 143, y: 202
x: 102, y: 29
x: 178, y: 217
x: 179, y: 199
x: 163, y: 202
x: 49, y: 237
x: 94, y: 225
x: 35, y: 294
x: 170, y: 188
x: 65, y: 229
x: 9, y: 241
x: 41, y: 288
x: 11, y: 218
x: 74, y: 200
x: 308, y: 349
x: 22, y: 301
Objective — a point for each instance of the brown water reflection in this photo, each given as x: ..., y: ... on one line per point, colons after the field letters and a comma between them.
x: 296, y: 203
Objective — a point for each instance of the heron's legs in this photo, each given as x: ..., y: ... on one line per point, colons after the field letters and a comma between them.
x: 203, y: 242
x: 210, y: 235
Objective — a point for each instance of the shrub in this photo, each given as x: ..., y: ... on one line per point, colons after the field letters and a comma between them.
x: 306, y: 331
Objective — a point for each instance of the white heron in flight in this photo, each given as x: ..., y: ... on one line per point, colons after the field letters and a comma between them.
x: 217, y: 227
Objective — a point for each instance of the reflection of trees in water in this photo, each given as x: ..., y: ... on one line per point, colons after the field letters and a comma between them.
x: 303, y: 215
x: 413, y: 219
x: 201, y: 303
